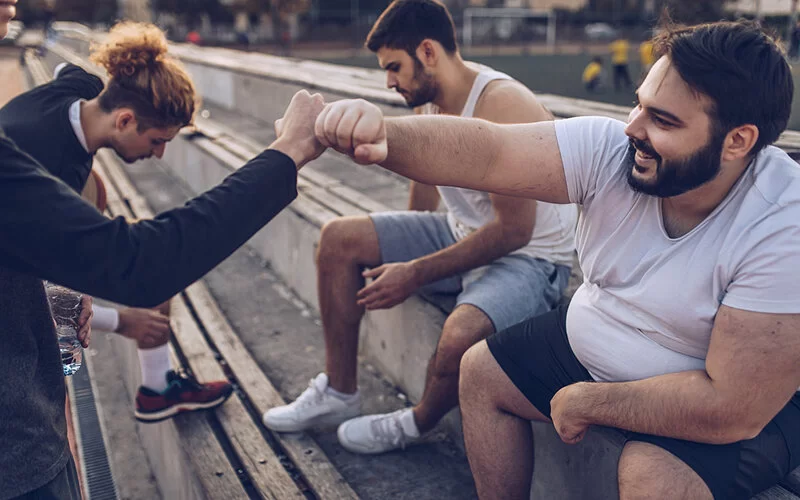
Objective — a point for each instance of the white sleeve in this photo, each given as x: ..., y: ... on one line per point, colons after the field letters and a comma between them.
x: 588, y: 145
x: 767, y: 278
x: 58, y: 69
x: 105, y: 319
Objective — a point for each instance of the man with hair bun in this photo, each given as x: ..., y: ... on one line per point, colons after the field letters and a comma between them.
x: 49, y: 232
x: 148, y: 99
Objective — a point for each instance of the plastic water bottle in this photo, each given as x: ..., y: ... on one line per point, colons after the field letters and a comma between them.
x: 65, y: 305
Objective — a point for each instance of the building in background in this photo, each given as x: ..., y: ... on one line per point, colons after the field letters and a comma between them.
x: 761, y: 8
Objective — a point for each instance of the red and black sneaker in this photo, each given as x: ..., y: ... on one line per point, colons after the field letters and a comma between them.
x: 183, y: 393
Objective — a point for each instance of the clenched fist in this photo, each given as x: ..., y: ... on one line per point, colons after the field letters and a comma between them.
x: 295, y: 130
x: 354, y: 127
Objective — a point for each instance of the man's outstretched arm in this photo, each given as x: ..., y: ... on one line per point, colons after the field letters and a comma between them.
x: 50, y: 232
x: 515, y: 160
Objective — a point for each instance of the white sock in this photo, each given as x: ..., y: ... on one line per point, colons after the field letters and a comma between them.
x: 155, y: 364
x: 347, y: 398
x: 409, y: 424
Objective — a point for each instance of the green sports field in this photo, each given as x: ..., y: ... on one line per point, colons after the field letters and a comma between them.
x: 561, y: 74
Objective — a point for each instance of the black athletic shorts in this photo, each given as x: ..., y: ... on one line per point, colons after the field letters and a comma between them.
x: 537, y: 357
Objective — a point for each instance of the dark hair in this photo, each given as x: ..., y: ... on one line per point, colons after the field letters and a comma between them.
x: 740, y: 68
x: 406, y: 23
x: 144, y: 78
x: 597, y: 59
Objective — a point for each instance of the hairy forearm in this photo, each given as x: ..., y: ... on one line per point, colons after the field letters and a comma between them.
x: 441, y: 150
x: 480, y: 248
x: 683, y: 405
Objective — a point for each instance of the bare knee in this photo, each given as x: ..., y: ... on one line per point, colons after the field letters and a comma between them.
x: 466, y: 326
x: 452, y: 346
x: 646, y: 471
x: 472, y: 367
x: 348, y: 240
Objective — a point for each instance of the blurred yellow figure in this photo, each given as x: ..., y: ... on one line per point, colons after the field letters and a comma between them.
x: 592, y: 74
x: 646, y: 56
x: 619, y: 49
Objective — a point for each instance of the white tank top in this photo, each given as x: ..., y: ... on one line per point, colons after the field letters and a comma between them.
x: 553, y: 237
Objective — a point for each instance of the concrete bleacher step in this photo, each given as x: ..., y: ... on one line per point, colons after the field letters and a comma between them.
x: 283, y: 336
x: 195, y: 312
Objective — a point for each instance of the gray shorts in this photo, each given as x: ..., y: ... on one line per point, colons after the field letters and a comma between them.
x: 509, y: 290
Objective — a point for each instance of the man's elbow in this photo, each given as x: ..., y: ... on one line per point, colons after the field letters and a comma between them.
x: 727, y: 427
x: 730, y: 434
x: 517, y: 236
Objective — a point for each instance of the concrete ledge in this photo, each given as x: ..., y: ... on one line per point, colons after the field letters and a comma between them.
x: 586, y: 471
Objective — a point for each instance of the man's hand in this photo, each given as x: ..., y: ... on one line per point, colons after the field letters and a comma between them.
x: 393, y: 283
x: 85, y: 321
x: 295, y: 131
x: 354, y: 127
x: 149, y: 328
x: 567, y: 413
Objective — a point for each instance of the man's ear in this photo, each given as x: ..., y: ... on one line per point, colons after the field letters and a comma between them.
x: 125, y: 119
x: 739, y: 142
x: 428, y: 52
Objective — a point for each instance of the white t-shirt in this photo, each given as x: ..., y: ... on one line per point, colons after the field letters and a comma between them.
x: 648, y: 301
x: 553, y: 237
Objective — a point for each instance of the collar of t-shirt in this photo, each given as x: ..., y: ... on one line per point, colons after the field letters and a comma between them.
x: 75, y: 121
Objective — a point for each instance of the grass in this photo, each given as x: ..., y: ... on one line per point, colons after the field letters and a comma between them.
x: 561, y: 74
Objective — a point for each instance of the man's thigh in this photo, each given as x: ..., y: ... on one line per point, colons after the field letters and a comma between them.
x: 408, y: 235
x: 536, y: 356
x: 743, y: 469
x: 514, y: 288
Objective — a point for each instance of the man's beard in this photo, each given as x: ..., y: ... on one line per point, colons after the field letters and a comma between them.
x: 677, y: 176
x: 427, y: 88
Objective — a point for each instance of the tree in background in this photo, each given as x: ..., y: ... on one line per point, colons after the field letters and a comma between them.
x: 681, y: 11
x: 278, y: 10
x: 692, y: 11
x: 86, y: 11
x: 31, y: 11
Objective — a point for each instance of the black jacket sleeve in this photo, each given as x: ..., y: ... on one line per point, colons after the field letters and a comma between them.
x: 48, y: 231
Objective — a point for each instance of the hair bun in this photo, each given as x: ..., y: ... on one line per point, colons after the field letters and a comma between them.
x: 130, y: 48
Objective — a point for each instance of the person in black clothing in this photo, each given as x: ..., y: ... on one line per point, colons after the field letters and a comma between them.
x: 74, y: 116
x: 48, y: 232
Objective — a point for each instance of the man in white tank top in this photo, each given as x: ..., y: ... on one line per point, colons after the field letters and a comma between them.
x: 505, y: 258
x: 685, y: 334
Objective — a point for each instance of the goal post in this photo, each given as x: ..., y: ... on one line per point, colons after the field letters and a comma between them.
x: 474, y: 13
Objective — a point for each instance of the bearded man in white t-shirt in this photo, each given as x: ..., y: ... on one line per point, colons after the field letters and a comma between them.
x: 505, y: 258
x: 686, y: 331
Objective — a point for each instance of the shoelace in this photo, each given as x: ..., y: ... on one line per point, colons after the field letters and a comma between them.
x: 388, y: 429
x: 310, y: 396
x: 184, y: 379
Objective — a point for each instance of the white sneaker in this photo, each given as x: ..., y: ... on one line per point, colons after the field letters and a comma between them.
x: 315, y: 407
x: 379, y: 433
